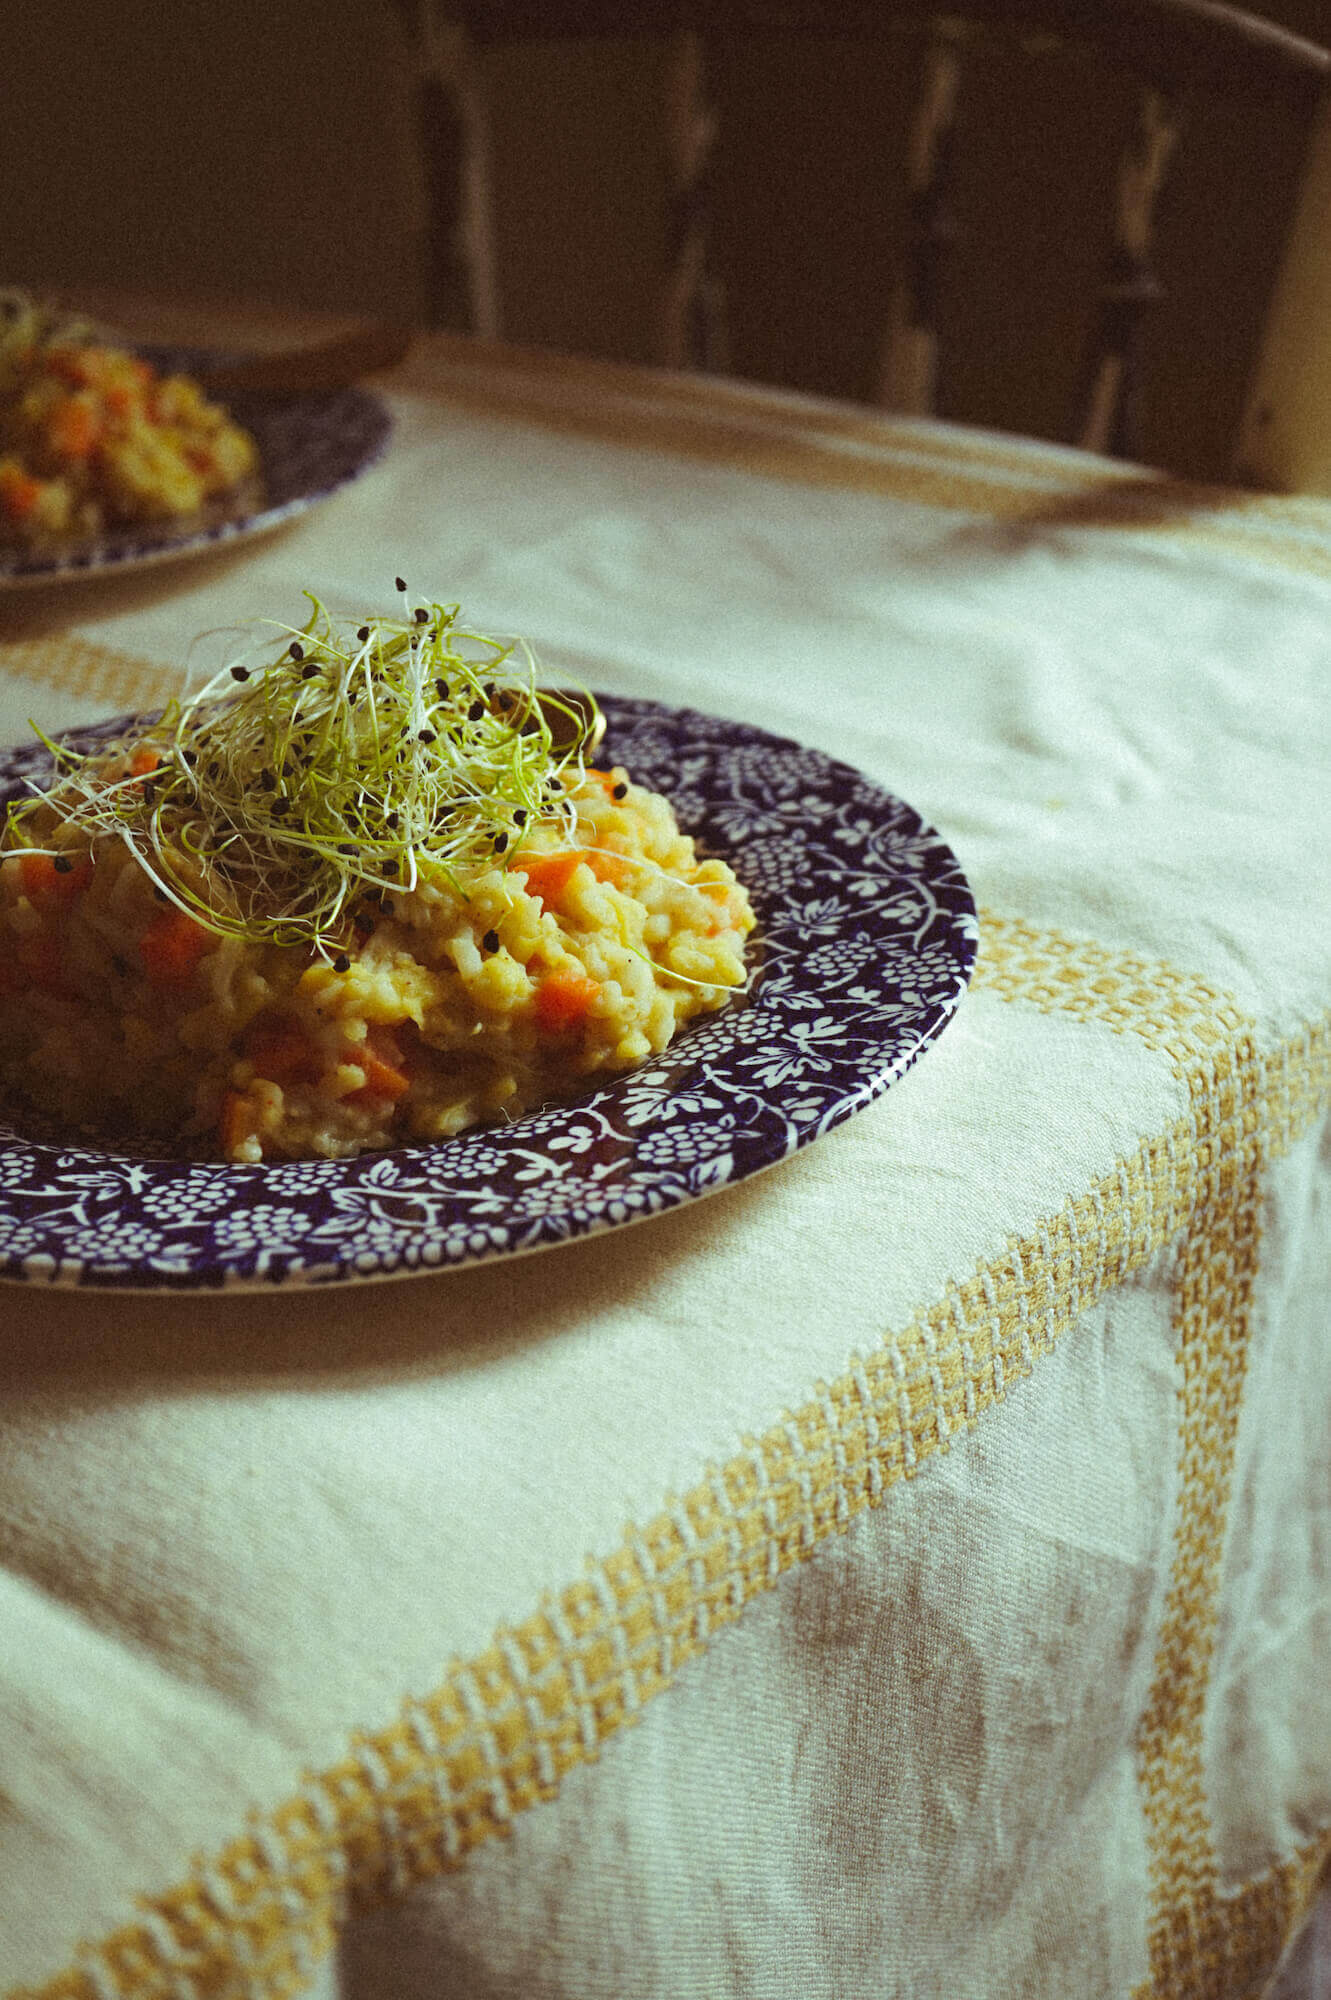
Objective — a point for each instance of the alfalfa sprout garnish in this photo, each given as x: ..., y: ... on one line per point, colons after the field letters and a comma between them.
x: 366, y: 755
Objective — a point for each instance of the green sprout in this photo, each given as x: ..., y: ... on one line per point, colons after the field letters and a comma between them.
x: 365, y: 757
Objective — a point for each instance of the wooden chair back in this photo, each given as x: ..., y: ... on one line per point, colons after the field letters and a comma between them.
x: 1174, y: 50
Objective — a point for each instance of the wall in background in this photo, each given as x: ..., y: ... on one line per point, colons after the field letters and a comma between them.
x: 268, y: 151
x: 260, y: 149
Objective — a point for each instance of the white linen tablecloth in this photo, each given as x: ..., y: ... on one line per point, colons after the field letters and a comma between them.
x: 948, y: 1511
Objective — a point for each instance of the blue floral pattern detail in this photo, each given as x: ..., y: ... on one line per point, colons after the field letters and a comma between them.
x: 309, y: 446
x: 866, y: 940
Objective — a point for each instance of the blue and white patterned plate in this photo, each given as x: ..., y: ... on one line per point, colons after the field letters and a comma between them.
x: 866, y: 941
x: 309, y: 446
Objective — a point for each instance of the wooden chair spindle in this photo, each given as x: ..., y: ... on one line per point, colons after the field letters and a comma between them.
x: 908, y: 378
x: 460, y: 281
x: 692, y: 324
x: 1112, y: 419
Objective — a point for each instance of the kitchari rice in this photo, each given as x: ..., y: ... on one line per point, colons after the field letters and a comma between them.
x: 402, y: 986
x: 93, y: 437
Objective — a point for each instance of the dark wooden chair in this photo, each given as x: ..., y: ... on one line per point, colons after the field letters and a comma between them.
x: 1175, y: 52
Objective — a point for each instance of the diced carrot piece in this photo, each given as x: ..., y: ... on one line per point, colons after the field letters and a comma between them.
x: 172, y: 946
x: 548, y: 875
x: 69, y: 364
x: 44, y: 883
x: 563, y: 1001
x: 611, y: 868
x: 120, y: 398
x: 381, y: 1059
x: 19, y: 492
x: 235, y: 1123
x: 74, y: 428
x: 281, y: 1050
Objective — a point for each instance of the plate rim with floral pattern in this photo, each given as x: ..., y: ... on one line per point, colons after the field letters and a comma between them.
x: 866, y: 941
x: 311, y: 445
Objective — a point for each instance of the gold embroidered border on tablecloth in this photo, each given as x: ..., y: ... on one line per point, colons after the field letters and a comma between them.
x: 90, y: 672
x: 411, y: 1799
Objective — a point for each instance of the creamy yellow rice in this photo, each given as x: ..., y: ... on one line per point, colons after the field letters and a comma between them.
x: 92, y: 437
x: 449, y: 1010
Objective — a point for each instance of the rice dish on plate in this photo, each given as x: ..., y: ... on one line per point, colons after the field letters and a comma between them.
x: 93, y: 437
x: 373, y: 893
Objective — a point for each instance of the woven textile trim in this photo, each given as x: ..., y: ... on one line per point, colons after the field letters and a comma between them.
x: 497, y: 1736
x: 501, y: 1731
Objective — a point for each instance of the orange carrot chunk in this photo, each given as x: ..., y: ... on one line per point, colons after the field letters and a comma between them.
x: 54, y: 878
x: 73, y: 429
x: 172, y: 946
x: 19, y: 492
x: 381, y: 1059
x: 548, y: 875
x: 612, y: 868
x: 281, y: 1051
x: 235, y: 1122
x: 120, y: 399
x: 563, y: 1001
x: 74, y: 365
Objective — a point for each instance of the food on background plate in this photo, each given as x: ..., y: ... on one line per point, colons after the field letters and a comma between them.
x: 93, y: 437
x: 369, y: 891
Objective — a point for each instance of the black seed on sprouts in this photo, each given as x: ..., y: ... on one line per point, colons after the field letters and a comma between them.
x: 400, y: 584
x: 294, y: 790
x: 491, y: 941
x: 341, y: 963
x: 62, y: 864
x: 619, y: 792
